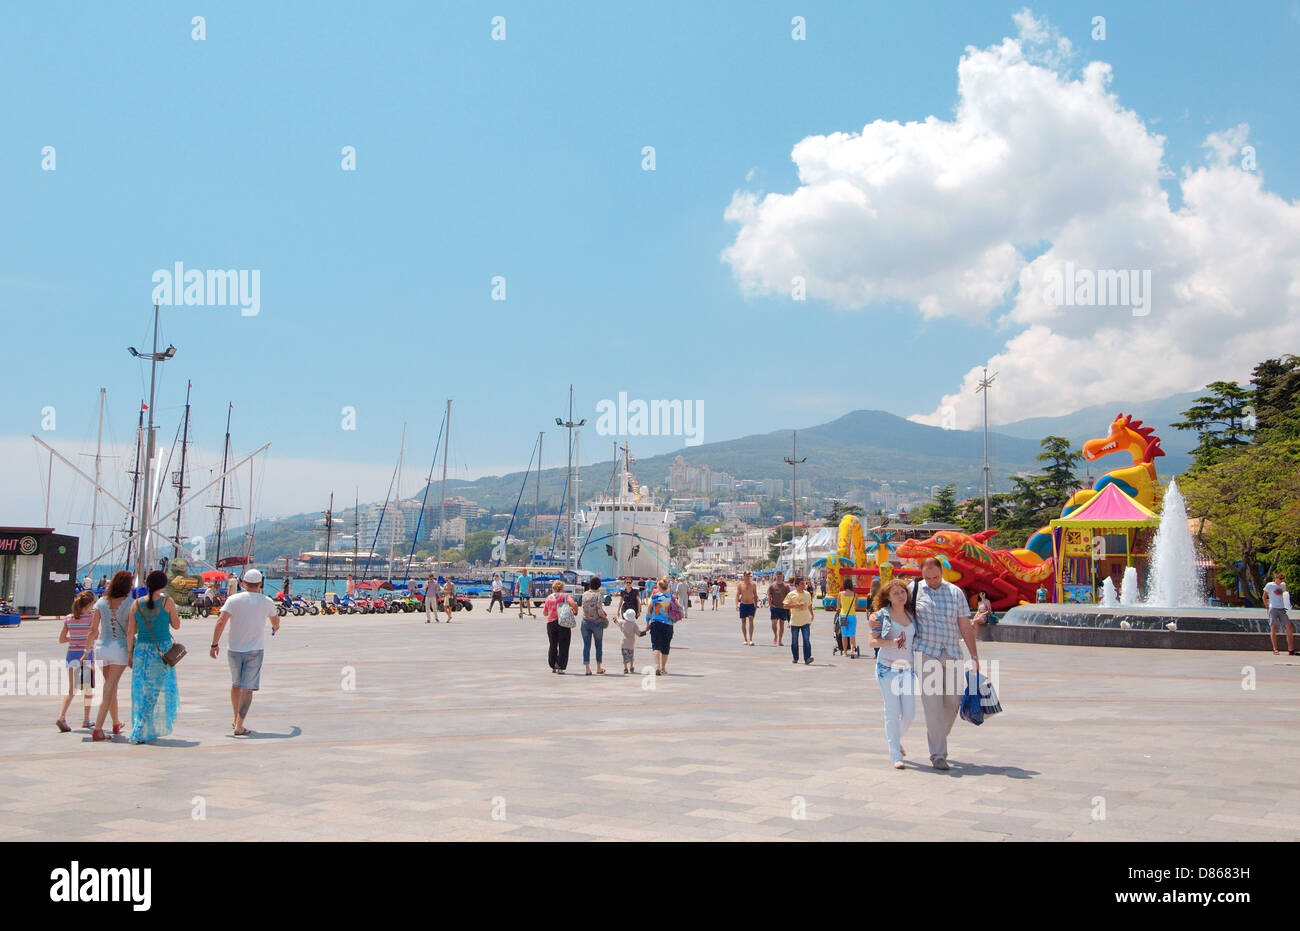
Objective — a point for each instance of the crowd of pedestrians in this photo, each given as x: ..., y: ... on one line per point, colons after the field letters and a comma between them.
x: 126, y: 629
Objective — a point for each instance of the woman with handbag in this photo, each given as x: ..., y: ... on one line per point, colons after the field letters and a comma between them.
x: 893, y: 633
x: 559, y: 625
x: 108, y: 634
x: 154, y: 697
x: 594, y: 622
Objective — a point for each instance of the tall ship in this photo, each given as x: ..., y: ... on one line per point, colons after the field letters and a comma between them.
x: 625, y: 533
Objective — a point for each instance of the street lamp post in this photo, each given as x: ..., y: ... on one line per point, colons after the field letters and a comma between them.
x: 793, y: 463
x: 144, y: 557
x: 984, y: 389
x: 568, y: 511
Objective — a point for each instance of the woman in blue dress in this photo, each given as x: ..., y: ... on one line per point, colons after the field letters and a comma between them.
x: 154, y: 696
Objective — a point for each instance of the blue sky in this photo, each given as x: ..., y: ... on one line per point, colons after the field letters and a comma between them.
x: 520, y: 158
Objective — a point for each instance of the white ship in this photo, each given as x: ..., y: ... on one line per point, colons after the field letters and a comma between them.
x: 625, y: 534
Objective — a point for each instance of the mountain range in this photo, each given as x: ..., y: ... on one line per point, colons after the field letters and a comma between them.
x: 852, y: 453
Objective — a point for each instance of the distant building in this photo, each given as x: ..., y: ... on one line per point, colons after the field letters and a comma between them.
x: 462, y: 507
x: 740, y: 510
x: 702, y: 479
x: 381, y: 534
x: 453, y: 534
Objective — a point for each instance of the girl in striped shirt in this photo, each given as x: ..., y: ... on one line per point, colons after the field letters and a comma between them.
x: 80, y: 660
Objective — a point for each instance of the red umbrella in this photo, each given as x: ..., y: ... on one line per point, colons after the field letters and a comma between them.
x: 214, y: 575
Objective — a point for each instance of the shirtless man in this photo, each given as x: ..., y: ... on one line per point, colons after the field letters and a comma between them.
x: 776, y: 593
x: 747, y: 599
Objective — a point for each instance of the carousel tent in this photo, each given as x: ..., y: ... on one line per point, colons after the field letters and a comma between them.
x: 1081, y: 559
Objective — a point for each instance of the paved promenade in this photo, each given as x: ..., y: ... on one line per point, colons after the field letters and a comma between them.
x: 385, y: 728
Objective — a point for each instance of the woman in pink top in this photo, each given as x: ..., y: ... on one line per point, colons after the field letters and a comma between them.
x: 559, y: 636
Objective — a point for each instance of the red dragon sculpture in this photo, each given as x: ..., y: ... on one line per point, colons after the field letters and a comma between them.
x: 1006, y: 575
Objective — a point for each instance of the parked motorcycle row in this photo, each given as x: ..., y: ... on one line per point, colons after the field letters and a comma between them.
x: 382, y: 603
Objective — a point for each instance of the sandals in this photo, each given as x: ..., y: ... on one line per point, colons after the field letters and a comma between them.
x: 62, y: 725
x: 117, y: 729
x: 599, y: 671
x: 98, y: 734
x: 243, y: 732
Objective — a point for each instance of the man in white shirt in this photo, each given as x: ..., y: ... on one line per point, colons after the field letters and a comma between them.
x: 683, y: 593
x: 247, y: 613
x: 1277, y: 617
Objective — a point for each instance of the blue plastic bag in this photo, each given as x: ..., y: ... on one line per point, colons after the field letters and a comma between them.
x: 979, y: 700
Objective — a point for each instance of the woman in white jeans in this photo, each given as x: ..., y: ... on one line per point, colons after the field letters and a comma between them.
x: 892, y: 631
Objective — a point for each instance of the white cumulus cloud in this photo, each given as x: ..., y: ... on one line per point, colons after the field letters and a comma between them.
x: 944, y: 214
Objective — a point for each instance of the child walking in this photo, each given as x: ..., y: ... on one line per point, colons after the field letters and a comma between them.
x: 80, y: 660
x: 630, y: 632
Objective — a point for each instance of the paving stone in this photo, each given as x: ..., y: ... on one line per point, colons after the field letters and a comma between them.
x: 728, y: 748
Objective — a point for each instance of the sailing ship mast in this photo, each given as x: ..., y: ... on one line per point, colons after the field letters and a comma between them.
x: 179, y: 479
x: 135, y: 486
x: 442, y: 507
x: 401, y: 454
x: 329, y: 527
x: 221, y: 508
x: 99, y: 445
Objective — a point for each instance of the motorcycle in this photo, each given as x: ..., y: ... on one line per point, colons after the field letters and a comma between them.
x: 300, y: 606
x: 459, y: 603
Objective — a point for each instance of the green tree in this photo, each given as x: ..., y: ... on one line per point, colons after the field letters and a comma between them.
x: 1277, y: 399
x: 970, y: 518
x: 1058, y: 479
x: 1220, y: 421
x: 478, y: 545
x: 838, y: 512
x: 944, y: 507
x: 1249, y: 500
x: 782, y: 534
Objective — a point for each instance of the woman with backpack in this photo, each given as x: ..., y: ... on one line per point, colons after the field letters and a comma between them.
x: 594, y: 622
x: 561, y: 617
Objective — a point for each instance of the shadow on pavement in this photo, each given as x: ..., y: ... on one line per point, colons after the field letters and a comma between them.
x: 976, y: 769
x: 267, y: 735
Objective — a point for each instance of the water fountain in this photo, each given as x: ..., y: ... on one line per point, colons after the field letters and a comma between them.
x: 1109, y: 597
x: 1129, y: 594
x: 1174, y: 612
x: 1175, y: 581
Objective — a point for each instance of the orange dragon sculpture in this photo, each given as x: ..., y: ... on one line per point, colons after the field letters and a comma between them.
x: 1138, y: 480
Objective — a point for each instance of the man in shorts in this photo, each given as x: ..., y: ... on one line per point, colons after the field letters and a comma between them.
x: 776, y: 593
x: 449, y: 598
x: 524, y: 592
x: 247, y: 613
x: 1277, y: 617
x: 747, y: 602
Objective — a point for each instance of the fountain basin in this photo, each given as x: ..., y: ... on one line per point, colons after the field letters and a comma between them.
x: 1099, y: 625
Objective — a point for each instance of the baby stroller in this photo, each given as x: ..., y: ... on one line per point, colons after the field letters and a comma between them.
x: 839, y: 641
